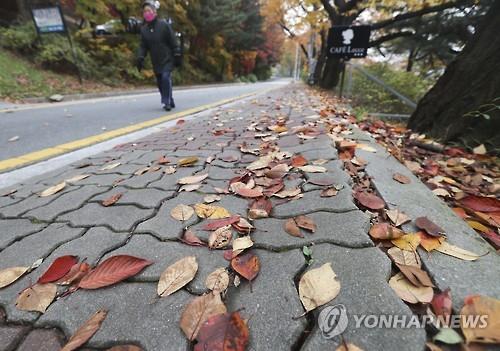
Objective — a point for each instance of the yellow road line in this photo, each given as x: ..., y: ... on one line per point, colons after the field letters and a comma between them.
x: 78, y: 144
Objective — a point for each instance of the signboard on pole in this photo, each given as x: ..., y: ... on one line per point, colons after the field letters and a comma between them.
x: 348, y: 41
x: 48, y: 20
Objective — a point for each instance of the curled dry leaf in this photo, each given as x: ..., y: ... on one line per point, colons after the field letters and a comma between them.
x: 113, y: 270
x: 312, y: 169
x: 429, y: 227
x: 241, y: 244
x: 318, y: 286
x: 247, y: 265
x: 212, y: 212
x: 288, y: 193
x: 110, y: 166
x: 112, y: 200
x: 481, y: 306
x: 220, y: 238
x: 455, y: 251
x: 36, y: 298
x: 218, y: 223
x: 53, y: 189
x: 190, y: 187
x: 401, y: 178
x: 430, y: 243
x: 188, y: 161
x: 86, y: 331
x: 329, y: 192
x: 218, y: 280
x: 169, y: 170
x: 403, y: 257
x: 415, y: 275
x: 211, y: 198
x: 368, y: 200
x: 292, y: 228
x: 397, y: 217
x: 192, y: 179
x: 177, y: 275
x: 385, y: 231
x: 75, y: 274
x: 198, y: 311
x: 260, y: 208
x: 224, y: 332
x: 408, y: 242
x: 77, y: 178
x: 409, y: 292
x: 243, y: 226
x: 262, y: 162
x: 141, y: 171
x: 182, y: 212
x: 306, y: 223
x: 190, y: 238
x: 250, y: 193
x: 58, y: 269
x: 10, y: 275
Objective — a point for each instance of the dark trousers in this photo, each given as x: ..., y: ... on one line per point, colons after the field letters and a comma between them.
x: 164, y: 81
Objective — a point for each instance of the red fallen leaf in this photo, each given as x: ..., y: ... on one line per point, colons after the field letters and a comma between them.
x: 306, y: 223
x: 244, y: 178
x: 323, y: 181
x: 298, y: 161
x: 229, y: 254
x: 251, y: 193
x: 431, y: 168
x: 224, y: 332
x: 370, y: 201
x: 347, y: 154
x: 112, y: 200
x: 460, y: 212
x: 163, y: 160
x: 180, y: 122
x: 113, y: 270
x: 260, y: 208
x: 219, y: 223
x: 247, y: 265
x: 454, y: 152
x: 58, y: 269
x: 292, y: 228
x: 401, y: 178
x: 385, y: 231
x: 481, y: 203
x: 86, y: 331
x: 429, y: 227
x: 270, y: 191
x: 190, y: 238
x: 442, y: 304
x: 77, y: 272
x: 492, y: 237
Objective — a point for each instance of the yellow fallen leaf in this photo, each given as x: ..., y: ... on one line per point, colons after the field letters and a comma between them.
x: 478, y: 226
x: 430, y: 243
x: 366, y: 147
x: 479, y: 150
x: 455, y: 251
x: 53, y: 189
x: 408, y: 242
x: 212, y: 212
x: 486, y: 308
x: 188, y: 161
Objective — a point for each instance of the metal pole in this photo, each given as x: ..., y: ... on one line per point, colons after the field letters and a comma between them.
x: 295, y: 68
x: 349, y: 80
x: 73, y: 51
x: 342, y: 80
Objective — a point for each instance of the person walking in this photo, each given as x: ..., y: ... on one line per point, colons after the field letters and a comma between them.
x: 158, y: 39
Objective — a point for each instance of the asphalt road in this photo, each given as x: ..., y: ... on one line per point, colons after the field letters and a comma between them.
x: 42, y: 126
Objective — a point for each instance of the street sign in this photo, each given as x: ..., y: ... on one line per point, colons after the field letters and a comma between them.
x: 348, y: 41
x: 48, y: 20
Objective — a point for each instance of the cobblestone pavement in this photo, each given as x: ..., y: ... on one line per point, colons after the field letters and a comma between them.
x: 74, y: 222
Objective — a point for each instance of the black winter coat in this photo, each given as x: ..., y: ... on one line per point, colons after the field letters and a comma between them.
x: 158, y: 38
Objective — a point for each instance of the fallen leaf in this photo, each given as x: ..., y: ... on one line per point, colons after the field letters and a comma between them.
x: 86, y: 331
x: 188, y: 161
x: 401, y: 178
x: 58, y: 269
x: 260, y: 208
x: 77, y: 178
x: 322, y: 181
x: 403, y: 257
x: 224, y: 332
x: 455, y: 251
x: 218, y: 223
x: 298, y: 161
x: 141, y: 171
x: 125, y: 348
x: 288, y: 193
x: 397, y: 217
x: 250, y: 193
x: 442, y: 304
x: 192, y: 179
x: 163, y: 160
x: 312, y: 169
x: 448, y: 336
x: 243, y: 226
x: 384, y: 231
x: 110, y: 166
x: 212, y: 212
x: 260, y: 163
x: 169, y: 170
x: 112, y: 200
x: 329, y: 192
x: 211, y: 198
x: 429, y: 227
x: 220, y: 238
x: 441, y: 192
x: 409, y: 292
x: 481, y: 203
x: 318, y: 286
x: 190, y: 238
x: 177, y: 275
x: 348, y: 347
x: 190, y: 187
x: 370, y: 201
x: 475, y: 306
x: 198, y: 311
x: 415, y: 275
x: 430, y: 243
x: 53, y: 189
x: 37, y: 297
x: 408, y: 242
x: 366, y: 147
x: 182, y: 212
x: 241, y: 244
x: 218, y: 280
x: 75, y: 274
x: 113, y: 270
x: 14, y: 138
x: 10, y: 275
x: 480, y: 150
x: 306, y: 223
x: 292, y: 228
x: 247, y: 265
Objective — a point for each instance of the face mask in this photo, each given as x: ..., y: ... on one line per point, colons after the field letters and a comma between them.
x: 149, y: 16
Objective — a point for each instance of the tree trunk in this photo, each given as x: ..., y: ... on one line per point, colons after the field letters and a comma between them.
x: 468, y: 84
x: 331, y: 73
x: 321, y: 58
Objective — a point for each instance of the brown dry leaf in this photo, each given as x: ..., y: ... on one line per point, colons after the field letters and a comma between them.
x: 250, y: 193
x: 366, y: 147
x: 288, y: 193
x: 198, y: 311
x: 401, y: 178
x: 429, y: 227
x: 241, y: 244
x: 218, y: 280
x: 329, y: 192
x: 260, y: 208
x: 318, y: 286
x: 77, y: 178
x: 110, y: 167
x: 430, y: 243
x: 220, y: 238
x: 36, y: 298
x: 260, y: 163
x: 403, y: 257
x: 415, y: 275
x: 177, y: 275
x: 182, y: 212
x: 319, y: 162
x: 413, y: 166
x: 53, y: 189
x: 189, y: 187
x: 397, y: 217
x: 408, y: 242
x: 112, y: 200
x: 188, y: 161
x: 211, y: 212
x: 312, y: 169
x: 162, y: 160
x: 292, y: 228
x: 455, y: 251
x: 10, y: 275
x: 409, y: 292
x: 192, y: 179
x: 368, y: 200
x: 141, y: 171
x: 211, y: 198
x: 306, y: 223
x: 385, y: 231
x: 86, y: 331
x: 481, y: 306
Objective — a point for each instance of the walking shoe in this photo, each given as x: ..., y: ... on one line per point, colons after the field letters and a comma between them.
x: 172, y: 105
x: 167, y: 108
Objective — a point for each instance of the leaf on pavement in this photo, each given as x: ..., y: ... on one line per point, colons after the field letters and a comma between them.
x: 36, y: 298
x: 481, y: 306
x: 455, y: 251
x: 218, y: 280
x: 329, y: 192
x: 224, y: 332
x: 250, y: 193
x: 409, y: 292
x: 182, y: 212
x: 415, y: 275
x: 211, y: 198
x: 260, y: 208
x: 220, y: 238
x: 408, y: 242
x: 430, y: 243
x: 190, y: 238
x: 368, y: 200
x: 318, y: 286
x: 397, y: 217
x: 10, y: 275
x: 288, y: 193
x: 247, y: 265
x: 241, y: 244
x: 218, y: 223
x: 113, y: 270
x: 177, y: 275
x: 163, y: 160
x: 403, y: 257
x: 190, y: 187
x: 86, y: 331
x: 188, y: 161
x: 58, y: 269
x: 385, y: 231
x: 292, y: 228
x: 198, y: 311
x: 260, y: 163
x: 312, y: 169
x: 53, y: 189
x: 322, y: 181
x: 401, y: 178
x: 75, y: 274
x: 212, y: 212
x: 306, y: 223
x: 192, y: 179
x: 170, y: 170
x: 442, y: 303
x: 481, y: 203
x: 243, y: 226
x: 298, y: 161
x: 429, y: 227
x: 112, y: 200
x: 77, y: 178
x: 125, y: 348
x: 110, y: 166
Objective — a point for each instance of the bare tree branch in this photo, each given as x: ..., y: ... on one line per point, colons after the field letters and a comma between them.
x: 332, y: 12
x: 292, y: 35
x: 343, y: 6
x: 390, y: 36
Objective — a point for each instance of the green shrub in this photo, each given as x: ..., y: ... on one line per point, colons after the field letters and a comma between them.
x: 252, y: 78
x: 20, y: 38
